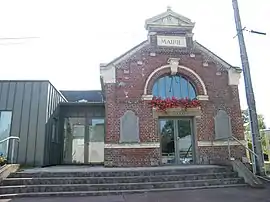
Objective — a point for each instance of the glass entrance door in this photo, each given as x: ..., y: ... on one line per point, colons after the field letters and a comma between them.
x: 74, y: 140
x: 176, y: 141
x: 84, y: 140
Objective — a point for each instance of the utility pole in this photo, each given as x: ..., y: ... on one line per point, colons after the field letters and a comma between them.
x: 254, y: 126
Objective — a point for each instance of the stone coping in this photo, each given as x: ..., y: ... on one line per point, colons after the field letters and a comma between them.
x: 64, y: 168
x: 7, y: 169
x: 178, y: 112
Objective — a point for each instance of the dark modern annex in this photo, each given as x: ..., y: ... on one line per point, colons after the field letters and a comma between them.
x: 41, y: 126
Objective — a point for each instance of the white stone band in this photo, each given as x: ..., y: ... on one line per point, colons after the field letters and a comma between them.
x: 133, y: 145
x: 220, y: 143
x: 157, y: 144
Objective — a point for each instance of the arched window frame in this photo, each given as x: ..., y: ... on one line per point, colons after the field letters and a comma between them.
x: 181, y: 77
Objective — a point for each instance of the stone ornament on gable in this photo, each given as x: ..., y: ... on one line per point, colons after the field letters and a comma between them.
x: 174, y: 62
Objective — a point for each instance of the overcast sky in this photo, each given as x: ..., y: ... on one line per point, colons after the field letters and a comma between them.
x: 76, y: 35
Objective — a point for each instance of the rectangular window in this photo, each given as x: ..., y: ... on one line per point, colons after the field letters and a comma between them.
x: 97, y: 130
x: 5, y: 127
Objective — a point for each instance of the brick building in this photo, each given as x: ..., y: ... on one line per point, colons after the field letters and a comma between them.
x: 116, y: 126
x: 169, y: 63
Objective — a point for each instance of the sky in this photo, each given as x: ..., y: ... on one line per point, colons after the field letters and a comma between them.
x: 75, y: 36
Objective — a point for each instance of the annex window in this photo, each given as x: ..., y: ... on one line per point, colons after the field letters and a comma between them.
x: 5, y: 127
x: 174, y: 86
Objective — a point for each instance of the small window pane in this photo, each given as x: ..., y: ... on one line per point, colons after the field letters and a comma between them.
x: 78, y: 131
x: 176, y: 86
x: 169, y: 88
x: 97, y: 130
x: 184, y: 88
x: 162, y: 88
x: 192, y: 93
x: 155, y: 89
x: 5, y: 126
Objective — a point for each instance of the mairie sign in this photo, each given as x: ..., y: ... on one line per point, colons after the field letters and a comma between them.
x: 175, y: 41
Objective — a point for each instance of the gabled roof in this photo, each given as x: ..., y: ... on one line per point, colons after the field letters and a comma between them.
x: 197, y: 46
x: 206, y: 52
x: 126, y: 54
x: 169, y: 21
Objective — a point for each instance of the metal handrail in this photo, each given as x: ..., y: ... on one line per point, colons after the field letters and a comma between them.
x: 8, y: 138
x: 244, y: 146
x: 13, y: 145
x: 253, y: 165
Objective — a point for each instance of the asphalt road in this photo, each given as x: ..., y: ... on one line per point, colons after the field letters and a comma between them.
x: 204, y: 195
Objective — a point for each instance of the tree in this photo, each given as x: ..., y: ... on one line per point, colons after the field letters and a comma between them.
x: 262, y: 126
x: 245, y: 116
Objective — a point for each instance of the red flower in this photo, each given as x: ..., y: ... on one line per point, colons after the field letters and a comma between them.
x: 164, y: 104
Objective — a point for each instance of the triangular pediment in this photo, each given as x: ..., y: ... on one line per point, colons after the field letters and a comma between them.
x: 169, y: 19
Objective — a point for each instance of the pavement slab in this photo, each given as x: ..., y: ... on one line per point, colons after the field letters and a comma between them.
x: 235, y: 194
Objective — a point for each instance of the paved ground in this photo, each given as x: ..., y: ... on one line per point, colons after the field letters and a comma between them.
x: 206, y: 195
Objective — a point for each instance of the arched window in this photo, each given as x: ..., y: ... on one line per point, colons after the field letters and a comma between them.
x: 174, y: 86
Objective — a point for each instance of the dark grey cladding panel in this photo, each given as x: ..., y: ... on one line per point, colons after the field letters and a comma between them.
x: 11, y: 95
x: 26, y: 109
x: 4, y: 95
x: 40, y: 138
x: 28, y: 102
x: 32, y: 130
x: 17, y: 113
x: 32, y: 104
x: 54, y: 98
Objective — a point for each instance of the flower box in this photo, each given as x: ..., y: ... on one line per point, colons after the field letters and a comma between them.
x: 172, y: 103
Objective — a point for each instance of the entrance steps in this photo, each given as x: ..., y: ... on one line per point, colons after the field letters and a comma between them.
x: 83, y: 181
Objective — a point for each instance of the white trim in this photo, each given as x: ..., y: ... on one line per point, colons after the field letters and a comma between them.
x: 234, y: 77
x: 133, y: 145
x: 147, y: 97
x: 179, y: 66
x: 220, y: 143
x: 203, y: 97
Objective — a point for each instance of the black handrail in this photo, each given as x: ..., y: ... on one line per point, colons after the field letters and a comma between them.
x: 187, y: 151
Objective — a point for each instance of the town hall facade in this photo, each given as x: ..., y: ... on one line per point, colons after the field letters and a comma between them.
x: 167, y: 101
x: 169, y: 64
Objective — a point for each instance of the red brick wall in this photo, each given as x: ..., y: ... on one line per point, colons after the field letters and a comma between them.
x: 134, y: 75
x: 132, y: 157
x: 219, y: 153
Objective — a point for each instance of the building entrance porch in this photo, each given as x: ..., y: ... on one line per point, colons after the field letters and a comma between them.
x: 80, y: 134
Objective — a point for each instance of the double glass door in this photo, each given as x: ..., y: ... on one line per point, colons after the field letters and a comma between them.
x: 84, y: 140
x: 176, y: 141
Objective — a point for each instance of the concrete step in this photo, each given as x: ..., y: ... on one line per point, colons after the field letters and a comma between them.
x: 104, y: 180
x: 113, y: 192
x: 117, y: 186
x: 122, y: 172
